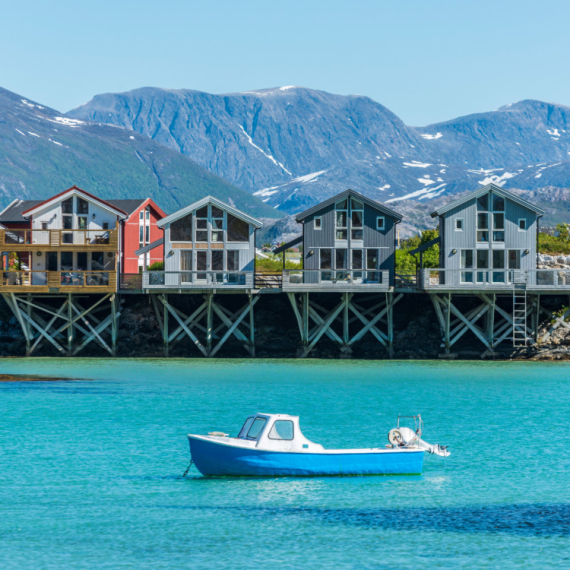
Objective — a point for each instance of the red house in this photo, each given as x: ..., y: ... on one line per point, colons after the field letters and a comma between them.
x: 138, y: 230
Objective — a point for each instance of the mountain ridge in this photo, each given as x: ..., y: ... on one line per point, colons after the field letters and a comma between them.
x: 294, y: 146
x: 43, y: 152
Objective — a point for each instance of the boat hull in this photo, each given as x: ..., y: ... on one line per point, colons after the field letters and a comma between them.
x: 218, y: 459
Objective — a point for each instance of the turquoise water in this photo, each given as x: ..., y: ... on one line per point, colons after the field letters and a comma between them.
x: 90, y: 470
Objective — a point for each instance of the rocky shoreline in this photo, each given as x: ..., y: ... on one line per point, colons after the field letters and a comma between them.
x: 416, y: 335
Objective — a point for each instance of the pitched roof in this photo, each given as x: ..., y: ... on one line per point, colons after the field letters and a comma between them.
x: 483, y: 190
x: 372, y: 203
x: 203, y: 202
x: 130, y: 206
x: 75, y: 190
x: 13, y: 213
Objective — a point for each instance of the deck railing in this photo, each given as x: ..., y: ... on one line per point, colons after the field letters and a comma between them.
x: 268, y: 280
x: 16, y: 280
x: 131, y: 281
x: 197, y: 279
x: 494, y: 278
x: 335, y: 278
x: 58, y: 238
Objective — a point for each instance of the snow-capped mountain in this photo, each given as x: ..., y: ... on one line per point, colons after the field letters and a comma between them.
x: 293, y: 147
x: 43, y: 152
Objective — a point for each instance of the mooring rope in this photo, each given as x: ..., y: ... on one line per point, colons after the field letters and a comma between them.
x: 188, y: 469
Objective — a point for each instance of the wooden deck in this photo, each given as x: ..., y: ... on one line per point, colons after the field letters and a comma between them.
x: 58, y: 281
x: 57, y: 240
x: 341, y: 281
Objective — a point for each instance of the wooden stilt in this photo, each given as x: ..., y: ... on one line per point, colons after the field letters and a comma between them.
x: 251, y: 328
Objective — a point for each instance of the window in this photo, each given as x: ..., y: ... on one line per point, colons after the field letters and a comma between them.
x: 82, y: 206
x: 380, y: 223
x: 181, y: 229
x: 81, y: 261
x: 66, y: 260
x: 256, y: 428
x: 81, y: 222
x: 67, y: 206
x: 238, y: 230
x: 318, y: 223
x: 371, y: 259
x: 97, y: 260
x: 356, y: 219
x: 498, y: 227
x: 498, y: 203
x: 217, y: 260
x: 232, y: 260
x: 44, y: 226
x: 105, y: 225
x: 282, y: 429
x: 498, y: 263
x: 245, y: 427
x: 482, y: 262
x: 341, y: 220
x: 482, y: 227
x: 466, y: 262
x: 356, y: 259
x: 326, y: 258
x: 217, y: 225
x: 341, y: 258
x: 514, y: 256
x: 67, y: 222
x: 202, y: 225
x: 522, y: 224
x: 483, y: 203
x: 459, y: 224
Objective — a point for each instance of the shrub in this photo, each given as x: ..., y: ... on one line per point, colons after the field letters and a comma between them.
x: 156, y: 266
x: 406, y: 263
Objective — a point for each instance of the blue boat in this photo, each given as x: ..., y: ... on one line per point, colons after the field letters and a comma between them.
x: 270, y: 445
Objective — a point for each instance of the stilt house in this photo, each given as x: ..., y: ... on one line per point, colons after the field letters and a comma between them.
x: 208, y: 244
x: 488, y: 238
x: 349, y: 242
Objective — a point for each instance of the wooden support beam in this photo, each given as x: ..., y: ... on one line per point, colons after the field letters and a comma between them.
x: 164, y: 299
x: 209, y: 321
x: 168, y: 308
x: 251, y: 327
x: 48, y: 326
x: 323, y: 328
x: 293, y: 301
x: 233, y: 329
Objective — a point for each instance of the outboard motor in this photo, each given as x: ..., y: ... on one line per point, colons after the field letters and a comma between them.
x: 406, y: 437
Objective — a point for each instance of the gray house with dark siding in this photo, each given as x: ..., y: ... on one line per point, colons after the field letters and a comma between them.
x: 487, y: 237
x: 349, y: 240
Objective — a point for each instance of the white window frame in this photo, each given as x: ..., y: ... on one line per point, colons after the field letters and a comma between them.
x: 459, y: 220
x: 320, y: 226
x: 525, y: 226
x: 383, y: 218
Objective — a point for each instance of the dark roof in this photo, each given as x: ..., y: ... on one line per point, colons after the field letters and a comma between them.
x: 149, y: 246
x: 13, y: 213
x: 75, y: 188
x: 483, y: 190
x: 128, y: 206
x: 372, y: 203
x: 286, y: 246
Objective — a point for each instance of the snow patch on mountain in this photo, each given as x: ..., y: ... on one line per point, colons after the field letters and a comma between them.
x: 264, y: 153
x: 429, y: 137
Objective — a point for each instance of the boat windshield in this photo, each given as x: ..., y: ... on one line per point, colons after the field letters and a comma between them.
x: 256, y: 428
x: 245, y: 427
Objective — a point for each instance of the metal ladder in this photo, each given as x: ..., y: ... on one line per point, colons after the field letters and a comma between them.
x: 520, y: 337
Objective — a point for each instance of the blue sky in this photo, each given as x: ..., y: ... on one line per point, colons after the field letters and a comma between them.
x: 427, y: 61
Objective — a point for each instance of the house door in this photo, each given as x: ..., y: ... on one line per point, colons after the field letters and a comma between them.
x: 356, y: 265
x: 186, y: 265
x: 52, y: 261
x: 201, y: 264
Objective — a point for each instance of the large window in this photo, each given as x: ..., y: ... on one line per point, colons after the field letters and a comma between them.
x: 282, y: 429
x: 491, y: 218
x: 82, y: 206
x: 181, y: 229
x: 232, y: 260
x: 341, y: 259
x: 238, y: 230
x: 498, y: 264
x: 467, y: 263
